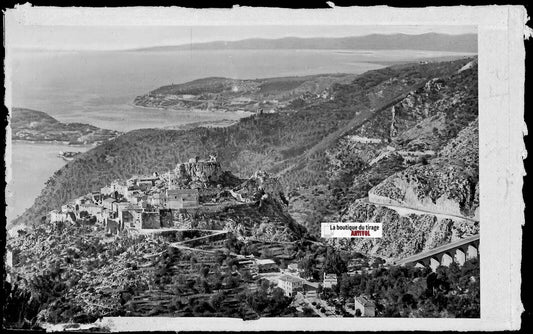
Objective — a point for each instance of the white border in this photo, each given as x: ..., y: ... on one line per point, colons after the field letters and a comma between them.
x: 501, y: 90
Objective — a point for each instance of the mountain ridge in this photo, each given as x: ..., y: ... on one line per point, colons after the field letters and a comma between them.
x: 428, y: 41
x: 324, y: 182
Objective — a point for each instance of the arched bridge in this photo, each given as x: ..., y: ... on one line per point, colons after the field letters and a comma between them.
x: 458, y: 251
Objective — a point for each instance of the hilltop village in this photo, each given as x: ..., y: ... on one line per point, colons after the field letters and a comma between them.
x: 197, y: 240
x: 174, y: 212
x: 169, y: 200
x: 182, y: 242
x: 151, y: 201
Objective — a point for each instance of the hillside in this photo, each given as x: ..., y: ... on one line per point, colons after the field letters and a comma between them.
x: 408, y: 132
x: 429, y: 41
x: 320, y: 150
x: 33, y: 125
x: 447, y: 184
x: 260, y: 95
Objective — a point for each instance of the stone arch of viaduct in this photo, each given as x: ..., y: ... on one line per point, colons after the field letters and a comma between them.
x: 458, y: 252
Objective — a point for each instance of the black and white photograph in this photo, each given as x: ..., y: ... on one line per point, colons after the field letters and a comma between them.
x: 247, y: 172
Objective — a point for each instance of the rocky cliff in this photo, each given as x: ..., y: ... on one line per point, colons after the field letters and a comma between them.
x: 403, y: 235
x: 419, y: 163
x: 198, y: 171
x: 415, y: 136
x: 447, y: 184
x: 315, y: 130
x: 259, y: 187
x: 201, y: 174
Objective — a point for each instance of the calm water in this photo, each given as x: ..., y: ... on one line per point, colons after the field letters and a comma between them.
x: 98, y: 88
x: 32, y: 165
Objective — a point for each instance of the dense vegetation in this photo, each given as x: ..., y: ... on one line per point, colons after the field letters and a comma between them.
x: 257, y: 95
x: 72, y: 274
x: 69, y: 272
x: 414, y: 292
x: 271, y: 142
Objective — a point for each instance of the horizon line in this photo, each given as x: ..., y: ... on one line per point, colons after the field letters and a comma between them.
x: 147, y: 47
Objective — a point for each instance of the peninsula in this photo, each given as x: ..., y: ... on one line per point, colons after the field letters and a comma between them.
x: 38, y: 126
x: 258, y: 95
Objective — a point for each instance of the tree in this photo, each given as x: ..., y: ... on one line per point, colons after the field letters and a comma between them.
x: 231, y: 282
x: 307, y: 265
x: 246, y: 276
x: 334, y: 263
x: 219, y: 257
x: 265, y: 285
x: 308, y: 312
x: 278, y: 296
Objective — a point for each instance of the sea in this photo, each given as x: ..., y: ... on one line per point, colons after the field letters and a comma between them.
x: 98, y: 87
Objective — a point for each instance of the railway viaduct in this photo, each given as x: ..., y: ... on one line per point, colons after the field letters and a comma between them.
x: 457, y: 251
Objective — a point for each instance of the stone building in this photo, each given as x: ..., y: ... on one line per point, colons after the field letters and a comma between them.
x: 91, y: 209
x: 290, y: 285
x: 266, y: 265
x: 182, y: 198
x: 155, y: 199
x: 108, y: 203
x: 56, y: 216
x: 365, y: 306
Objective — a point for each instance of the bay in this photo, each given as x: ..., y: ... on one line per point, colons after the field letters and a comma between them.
x: 98, y: 87
x: 32, y: 164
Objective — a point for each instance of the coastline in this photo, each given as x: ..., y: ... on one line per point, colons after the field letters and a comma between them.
x: 193, y: 110
x: 223, y: 123
x: 51, y: 142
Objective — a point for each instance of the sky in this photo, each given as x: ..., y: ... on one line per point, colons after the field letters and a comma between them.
x: 128, y: 37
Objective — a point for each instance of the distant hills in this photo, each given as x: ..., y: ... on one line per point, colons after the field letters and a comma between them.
x: 428, y: 42
x: 391, y: 133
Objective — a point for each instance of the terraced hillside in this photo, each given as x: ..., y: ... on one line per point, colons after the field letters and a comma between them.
x: 279, y: 142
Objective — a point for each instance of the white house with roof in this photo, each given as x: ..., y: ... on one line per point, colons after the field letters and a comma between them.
x: 293, y: 268
x: 290, y: 284
x: 329, y: 280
